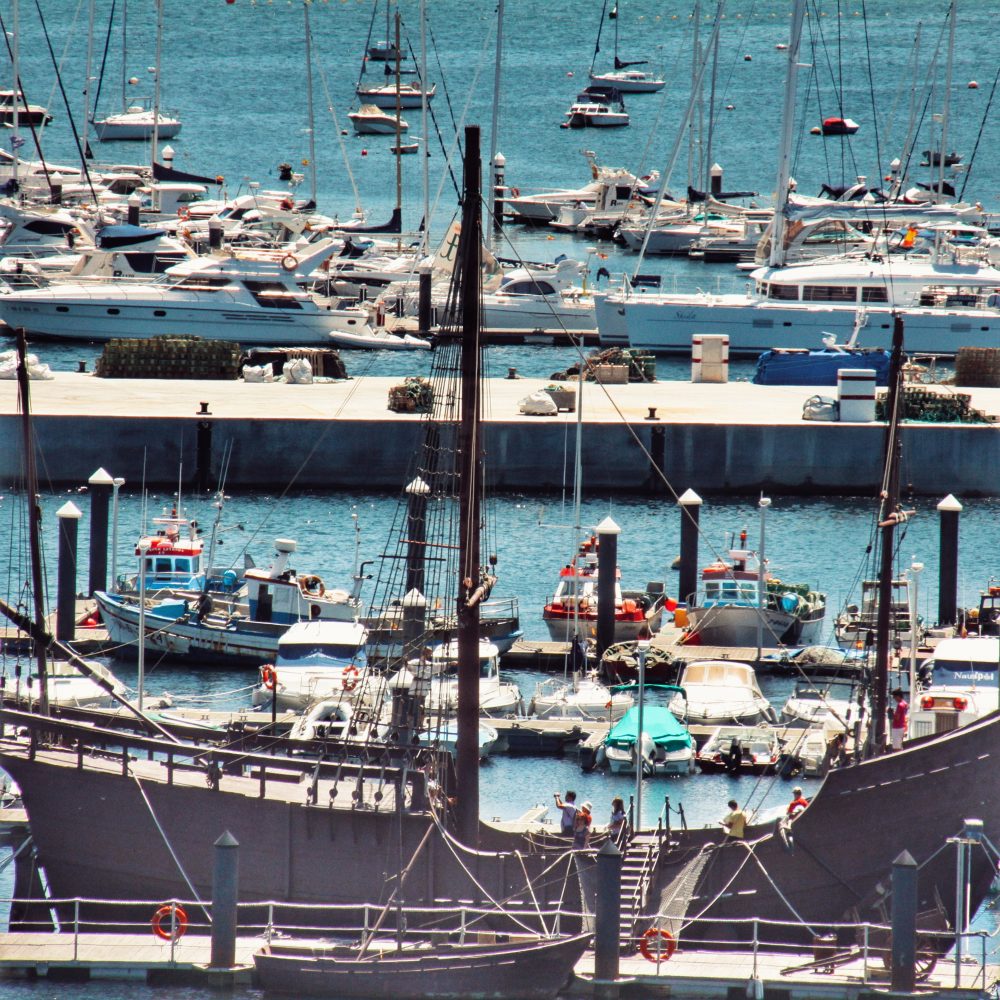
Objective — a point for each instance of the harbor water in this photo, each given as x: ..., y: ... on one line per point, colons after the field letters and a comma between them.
x: 235, y: 72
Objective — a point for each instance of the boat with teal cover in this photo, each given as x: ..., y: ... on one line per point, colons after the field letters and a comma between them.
x: 665, y: 743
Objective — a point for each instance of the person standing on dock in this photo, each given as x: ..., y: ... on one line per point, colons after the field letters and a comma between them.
x: 899, y: 718
x: 618, y: 818
x: 568, y: 821
x: 735, y: 821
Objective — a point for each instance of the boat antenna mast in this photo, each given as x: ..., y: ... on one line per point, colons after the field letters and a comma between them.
x: 890, y: 514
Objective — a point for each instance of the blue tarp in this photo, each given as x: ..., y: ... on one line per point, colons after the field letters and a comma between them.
x: 660, y: 723
x: 817, y: 367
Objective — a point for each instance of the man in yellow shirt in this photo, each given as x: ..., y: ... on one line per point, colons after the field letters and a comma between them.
x: 735, y: 821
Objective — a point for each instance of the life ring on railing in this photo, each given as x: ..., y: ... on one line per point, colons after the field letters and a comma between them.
x: 183, y: 212
x: 269, y: 676
x: 290, y: 262
x: 516, y: 192
x: 349, y: 678
x: 312, y: 585
x: 662, y: 952
x: 169, y: 922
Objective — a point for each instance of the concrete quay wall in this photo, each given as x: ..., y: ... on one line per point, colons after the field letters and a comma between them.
x: 735, y: 438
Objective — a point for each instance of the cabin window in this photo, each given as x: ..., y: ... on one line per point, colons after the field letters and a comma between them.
x: 163, y: 566
x: 45, y: 227
x: 829, y: 293
x: 203, y: 282
x: 527, y: 287
x: 113, y: 312
x: 874, y: 293
x: 152, y: 263
x: 62, y: 309
x: 790, y: 292
x: 273, y: 295
x: 182, y: 565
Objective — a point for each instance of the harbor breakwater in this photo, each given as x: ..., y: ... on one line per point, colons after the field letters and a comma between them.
x: 733, y: 438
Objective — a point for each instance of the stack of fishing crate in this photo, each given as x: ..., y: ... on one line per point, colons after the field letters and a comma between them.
x: 415, y: 395
x: 930, y: 406
x: 169, y: 357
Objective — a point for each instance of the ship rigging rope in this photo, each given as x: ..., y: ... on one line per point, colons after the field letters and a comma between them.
x: 169, y: 846
x: 453, y: 846
x: 780, y: 894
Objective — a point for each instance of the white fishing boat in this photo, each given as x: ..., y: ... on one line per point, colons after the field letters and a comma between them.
x: 370, y: 119
x: 221, y: 297
x: 316, y: 661
x: 721, y: 692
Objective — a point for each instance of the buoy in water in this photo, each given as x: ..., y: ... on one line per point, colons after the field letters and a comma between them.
x: 748, y: 58
x: 973, y: 85
x: 815, y: 130
x: 730, y: 107
x: 364, y: 152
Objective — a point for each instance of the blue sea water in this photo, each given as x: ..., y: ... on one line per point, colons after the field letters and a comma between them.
x: 236, y: 74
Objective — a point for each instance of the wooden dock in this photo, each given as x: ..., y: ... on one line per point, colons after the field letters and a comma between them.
x: 689, y: 973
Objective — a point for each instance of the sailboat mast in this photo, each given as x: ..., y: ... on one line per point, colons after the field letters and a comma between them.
x: 124, y: 55
x: 34, y: 520
x: 890, y: 517
x: 86, y: 91
x: 470, y: 490
x: 309, y: 104
x: 777, y: 257
x: 156, y: 82
x: 399, y: 134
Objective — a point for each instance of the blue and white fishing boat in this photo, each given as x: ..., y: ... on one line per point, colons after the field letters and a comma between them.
x: 194, y: 627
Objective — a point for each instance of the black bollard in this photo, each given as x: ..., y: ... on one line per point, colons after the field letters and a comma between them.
x: 607, y: 571
x: 607, y: 921
x: 225, y: 892
x: 203, y: 470
x: 101, y: 487
x: 687, y: 587
x: 950, y: 511
x: 424, y: 304
x: 134, y: 203
x: 69, y: 518
x: 904, y: 923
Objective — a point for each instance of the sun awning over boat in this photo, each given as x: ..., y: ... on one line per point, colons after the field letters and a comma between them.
x: 113, y: 237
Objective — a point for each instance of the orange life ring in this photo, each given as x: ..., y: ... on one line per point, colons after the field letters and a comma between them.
x: 269, y: 676
x: 349, y: 678
x: 183, y: 212
x: 169, y: 922
x: 660, y: 954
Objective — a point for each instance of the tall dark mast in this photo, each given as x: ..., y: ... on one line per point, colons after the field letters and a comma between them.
x: 34, y: 522
x: 470, y: 491
x: 890, y: 516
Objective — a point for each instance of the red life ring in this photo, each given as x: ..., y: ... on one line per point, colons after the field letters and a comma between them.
x: 349, y: 678
x: 169, y: 922
x: 662, y: 953
x: 516, y: 192
x: 269, y: 676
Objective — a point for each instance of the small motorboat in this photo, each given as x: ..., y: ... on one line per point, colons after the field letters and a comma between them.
x: 740, y: 750
x: 405, y: 149
x: 721, y: 692
x: 597, y: 107
x: 406, y: 95
x: 812, y: 704
x: 315, y: 660
x: 665, y: 745
x: 370, y: 119
x: 839, y: 126
x: 377, y: 338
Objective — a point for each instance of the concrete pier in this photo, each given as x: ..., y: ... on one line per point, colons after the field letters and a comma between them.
x: 735, y: 438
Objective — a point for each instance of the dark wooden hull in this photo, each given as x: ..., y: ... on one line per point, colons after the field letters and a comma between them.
x: 837, y: 864
x: 534, y: 970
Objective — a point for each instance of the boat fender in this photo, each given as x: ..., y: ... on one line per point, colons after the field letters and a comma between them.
x: 269, y: 676
x: 516, y: 192
x: 664, y: 947
x: 349, y: 678
x: 290, y: 262
x: 785, y: 832
x: 169, y: 922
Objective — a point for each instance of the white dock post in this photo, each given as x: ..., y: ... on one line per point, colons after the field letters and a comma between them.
x: 856, y: 394
x: 710, y: 358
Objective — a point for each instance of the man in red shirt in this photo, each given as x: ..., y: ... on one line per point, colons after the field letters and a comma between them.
x: 797, y: 804
x: 899, y: 717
